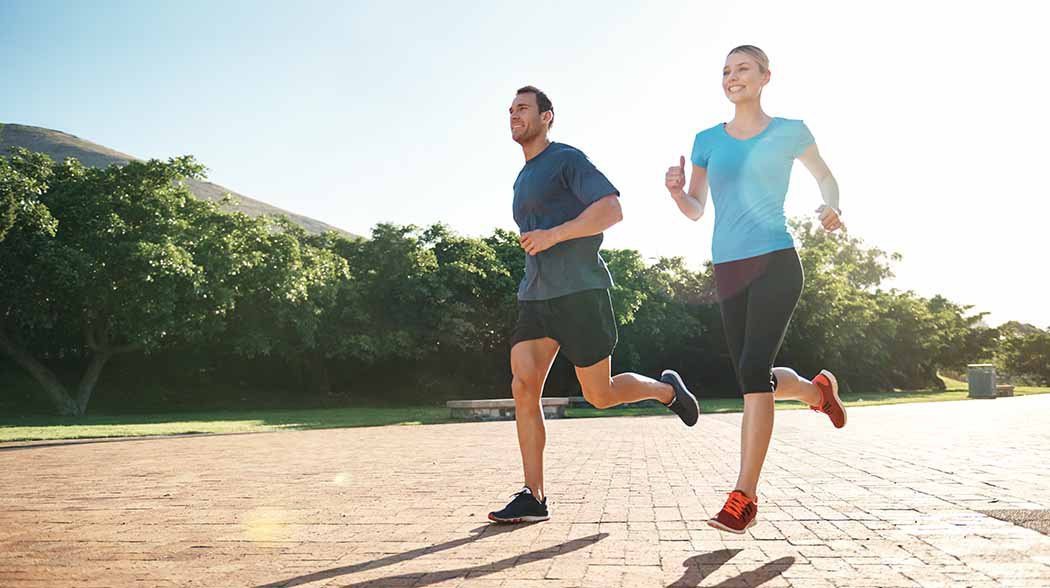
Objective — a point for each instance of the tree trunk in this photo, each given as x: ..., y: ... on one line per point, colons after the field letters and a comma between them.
x: 96, y: 339
x: 52, y: 389
x: 90, y: 378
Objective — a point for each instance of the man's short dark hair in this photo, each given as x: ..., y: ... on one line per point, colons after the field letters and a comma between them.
x: 542, y: 101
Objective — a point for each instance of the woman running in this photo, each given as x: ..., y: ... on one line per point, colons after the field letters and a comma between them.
x: 758, y: 275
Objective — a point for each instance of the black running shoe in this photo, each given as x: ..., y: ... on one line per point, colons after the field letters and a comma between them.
x: 523, y: 509
x: 684, y: 403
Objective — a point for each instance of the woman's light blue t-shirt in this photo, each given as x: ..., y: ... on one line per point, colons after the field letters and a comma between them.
x: 749, y: 181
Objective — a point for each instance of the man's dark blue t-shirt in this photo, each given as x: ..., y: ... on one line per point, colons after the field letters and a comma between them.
x: 553, y: 188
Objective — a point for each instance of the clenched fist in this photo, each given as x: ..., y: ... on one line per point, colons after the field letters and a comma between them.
x: 536, y: 241
x: 830, y: 218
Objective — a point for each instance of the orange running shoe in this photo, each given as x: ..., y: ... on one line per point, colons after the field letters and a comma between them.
x: 737, y: 515
x: 830, y: 404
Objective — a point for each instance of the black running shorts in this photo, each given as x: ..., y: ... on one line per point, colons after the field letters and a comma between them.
x: 582, y: 322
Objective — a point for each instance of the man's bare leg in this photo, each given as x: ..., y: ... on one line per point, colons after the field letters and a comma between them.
x: 530, y: 362
x: 603, y: 390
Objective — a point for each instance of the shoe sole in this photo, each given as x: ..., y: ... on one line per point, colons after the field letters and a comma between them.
x: 528, y: 519
x: 835, y: 394
x: 692, y: 397
x: 717, y: 525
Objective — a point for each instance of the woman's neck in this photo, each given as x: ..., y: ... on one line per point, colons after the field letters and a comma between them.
x: 749, y: 117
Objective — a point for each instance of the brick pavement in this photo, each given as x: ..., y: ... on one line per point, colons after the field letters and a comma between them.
x: 895, y: 499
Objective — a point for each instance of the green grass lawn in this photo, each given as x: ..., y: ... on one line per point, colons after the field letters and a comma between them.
x: 235, y: 421
x: 93, y: 426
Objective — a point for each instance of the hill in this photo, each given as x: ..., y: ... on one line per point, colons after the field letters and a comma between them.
x: 59, y: 146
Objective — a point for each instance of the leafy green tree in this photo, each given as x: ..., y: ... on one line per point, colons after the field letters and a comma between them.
x: 837, y: 323
x: 1024, y: 353
x: 95, y: 263
x: 962, y: 337
x: 286, y: 285
x: 117, y: 273
x: 664, y: 310
x: 470, y: 289
x: 875, y: 339
x: 32, y: 265
x: 24, y: 176
x: 392, y: 317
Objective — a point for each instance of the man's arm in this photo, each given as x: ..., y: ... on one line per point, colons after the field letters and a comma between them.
x: 596, y: 218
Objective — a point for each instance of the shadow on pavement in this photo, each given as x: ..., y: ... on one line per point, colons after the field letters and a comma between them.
x: 699, y: 567
x: 441, y: 576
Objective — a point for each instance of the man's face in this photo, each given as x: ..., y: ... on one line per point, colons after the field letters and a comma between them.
x: 526, y: 122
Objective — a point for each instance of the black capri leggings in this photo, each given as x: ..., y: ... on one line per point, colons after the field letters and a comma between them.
x: 757, y: 296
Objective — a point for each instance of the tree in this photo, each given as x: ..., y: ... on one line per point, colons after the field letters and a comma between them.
x: 286, y: 287
x: 874, y: 339
x: 962, y: 338
x: 117, y: 273
x: 391, y: 318
x: 665, y: 312
x: 1024, y: 353
x: 471, y: 290
x: 30, y: 263
x: 24, y: 176
x: 838, y: 323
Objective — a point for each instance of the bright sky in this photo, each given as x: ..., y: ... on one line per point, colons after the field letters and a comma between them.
x: 928, y: 113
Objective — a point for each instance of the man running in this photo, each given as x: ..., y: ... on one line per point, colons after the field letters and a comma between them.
x: 562, y: 204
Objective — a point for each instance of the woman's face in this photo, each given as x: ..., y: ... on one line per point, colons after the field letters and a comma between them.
x: 742, y: 80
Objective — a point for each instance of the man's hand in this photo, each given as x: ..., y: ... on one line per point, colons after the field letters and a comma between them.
x: 539, y: 240
x: 830, y: 218
x: 675, y: 177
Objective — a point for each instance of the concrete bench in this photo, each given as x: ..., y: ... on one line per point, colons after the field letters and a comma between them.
x: 502, y: 409
x: 1004, y: 390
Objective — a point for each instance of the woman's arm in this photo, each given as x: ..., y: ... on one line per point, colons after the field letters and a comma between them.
x: 830, y: 213
x: 693, y: 201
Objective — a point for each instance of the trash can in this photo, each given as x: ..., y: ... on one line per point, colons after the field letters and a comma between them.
x: 980, y: 378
